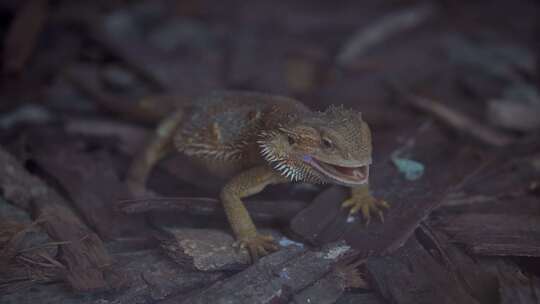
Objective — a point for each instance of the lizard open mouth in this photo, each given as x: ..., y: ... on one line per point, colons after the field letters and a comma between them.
x: 345, y: 175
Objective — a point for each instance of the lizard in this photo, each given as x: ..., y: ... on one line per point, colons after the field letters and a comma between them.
x: 256, y: 140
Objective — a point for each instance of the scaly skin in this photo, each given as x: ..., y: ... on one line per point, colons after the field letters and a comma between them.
x: 257, y: 140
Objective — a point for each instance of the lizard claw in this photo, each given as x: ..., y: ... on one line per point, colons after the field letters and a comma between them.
x: 381, y: 216
x: 258, y: 246
x: 367, y: 205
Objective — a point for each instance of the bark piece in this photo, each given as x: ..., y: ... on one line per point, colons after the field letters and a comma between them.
x: 514, y: 115
x: 470, y: 271
x: 412, y: 275
x: 275, y: 278
x: 459, y: 121
x: 325, y: 291
x: 495, y: 234
x: 130, y: 137
x: 93, y: 185
x: 360, y: 298
x: 265, y: 211
x: 27, y: 254
x: 23, y: 34
x: 204, y: 250
x: 502, y: 216
x: 197, y: 69
x: 515, y: 287
x: 383, y: 29
x: 82, y: 252
x: 151, y: 277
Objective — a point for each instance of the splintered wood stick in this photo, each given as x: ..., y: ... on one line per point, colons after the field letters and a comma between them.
x: 260, y: 210
x: 83, y: 253
x: 458, y: 120
x: 383, y: 29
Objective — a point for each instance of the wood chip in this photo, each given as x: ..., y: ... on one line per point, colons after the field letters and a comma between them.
x: 412, y: 275
x: 22, y: 36
x: 83, y: 253
x: 383, y: 29
x: 204, y: 250
x: 459, y: 121
x: 274, y: 278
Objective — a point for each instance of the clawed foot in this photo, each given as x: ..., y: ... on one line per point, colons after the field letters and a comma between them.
x: 366, y: 204
x: 258, y: 246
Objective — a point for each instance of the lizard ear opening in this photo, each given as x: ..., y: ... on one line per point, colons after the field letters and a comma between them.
x: 291, y: 140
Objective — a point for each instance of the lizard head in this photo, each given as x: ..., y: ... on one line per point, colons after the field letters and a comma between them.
x: 331, y: 146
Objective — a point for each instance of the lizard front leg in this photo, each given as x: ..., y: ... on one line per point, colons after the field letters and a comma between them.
x: 159, y: 146
x: 362, y: 200
x: 245, y: 184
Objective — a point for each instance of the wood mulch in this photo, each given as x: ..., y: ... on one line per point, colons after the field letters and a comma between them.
x: 451, y: 90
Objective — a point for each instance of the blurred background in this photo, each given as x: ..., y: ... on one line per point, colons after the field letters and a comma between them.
x: 321, y: 52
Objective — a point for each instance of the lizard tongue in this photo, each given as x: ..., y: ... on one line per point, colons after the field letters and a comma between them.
x: 358, y: 172
x: 345, y: 170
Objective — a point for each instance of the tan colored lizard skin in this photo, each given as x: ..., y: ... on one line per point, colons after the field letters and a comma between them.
x: 258, y: 140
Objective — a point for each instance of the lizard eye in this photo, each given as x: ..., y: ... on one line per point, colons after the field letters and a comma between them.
x: 327, y: 143
x: 291, y: 140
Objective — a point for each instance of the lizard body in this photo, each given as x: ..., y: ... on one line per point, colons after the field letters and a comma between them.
x: 257, y: 140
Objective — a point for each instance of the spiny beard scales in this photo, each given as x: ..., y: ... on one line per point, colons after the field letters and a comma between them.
x: 293, y: 169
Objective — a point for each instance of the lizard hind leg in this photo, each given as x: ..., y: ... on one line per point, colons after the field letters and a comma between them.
x: 245, y: 184
x: 159, y: 145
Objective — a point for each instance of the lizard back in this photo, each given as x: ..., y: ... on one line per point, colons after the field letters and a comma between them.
x: 224, y: 125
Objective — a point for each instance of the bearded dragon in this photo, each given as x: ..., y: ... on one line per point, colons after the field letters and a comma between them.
x: 258, y: 140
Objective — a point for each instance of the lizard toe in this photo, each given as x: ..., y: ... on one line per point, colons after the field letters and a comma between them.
x: 367, y: 206
x: 258, y: 246
x: 349, y: 203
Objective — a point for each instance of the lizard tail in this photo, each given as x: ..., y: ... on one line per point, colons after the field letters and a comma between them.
x: 150, y: 109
